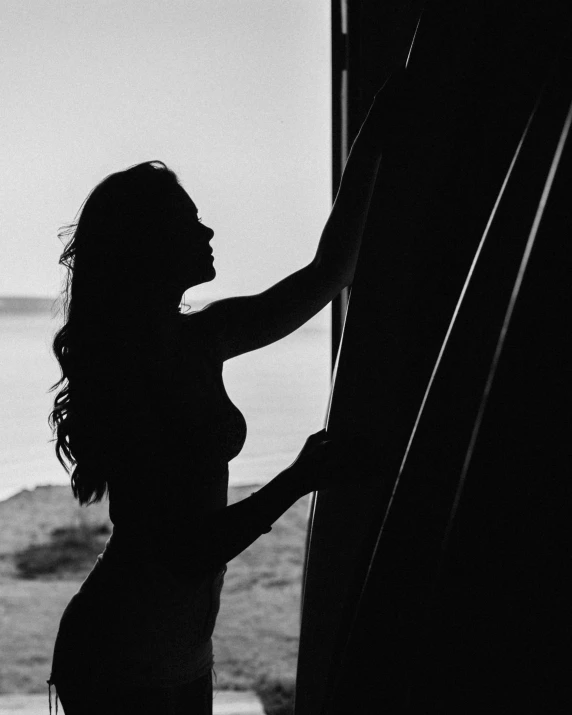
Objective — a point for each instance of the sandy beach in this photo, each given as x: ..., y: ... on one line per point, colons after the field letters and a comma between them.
x: 257, y: 630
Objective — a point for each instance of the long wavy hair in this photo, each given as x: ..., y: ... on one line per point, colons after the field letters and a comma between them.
x: 117, y: 246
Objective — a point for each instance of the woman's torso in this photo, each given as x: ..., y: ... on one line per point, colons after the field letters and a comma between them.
x: 148, y: 613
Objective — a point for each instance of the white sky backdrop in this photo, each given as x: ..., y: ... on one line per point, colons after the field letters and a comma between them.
x: 234, y: 95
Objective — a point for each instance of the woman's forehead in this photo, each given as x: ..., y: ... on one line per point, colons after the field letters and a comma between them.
x: 187, y: 204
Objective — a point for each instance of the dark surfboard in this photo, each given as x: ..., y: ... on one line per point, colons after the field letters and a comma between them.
x: 473, y: 85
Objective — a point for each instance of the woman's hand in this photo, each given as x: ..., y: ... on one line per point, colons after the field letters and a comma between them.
x: 324, y: 463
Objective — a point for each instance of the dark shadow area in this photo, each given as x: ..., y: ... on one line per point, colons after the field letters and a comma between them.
x: 277, y: 696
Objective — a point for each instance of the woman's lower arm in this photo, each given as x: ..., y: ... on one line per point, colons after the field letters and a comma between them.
x: 221, y: 536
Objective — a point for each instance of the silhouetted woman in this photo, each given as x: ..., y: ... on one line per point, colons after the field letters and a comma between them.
x: 142, y: 415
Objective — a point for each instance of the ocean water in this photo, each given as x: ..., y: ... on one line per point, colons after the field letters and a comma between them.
x: 282, y: 390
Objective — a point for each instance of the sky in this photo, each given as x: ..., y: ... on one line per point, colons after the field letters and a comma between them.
x: 234, y: 95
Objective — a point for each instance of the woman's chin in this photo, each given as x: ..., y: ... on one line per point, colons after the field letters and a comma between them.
x: 208, y: 275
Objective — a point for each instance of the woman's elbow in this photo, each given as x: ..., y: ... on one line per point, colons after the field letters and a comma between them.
x: 333, y: 276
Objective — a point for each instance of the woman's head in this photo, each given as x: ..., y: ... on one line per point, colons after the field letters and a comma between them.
x: 137, y: 245
x: 138, y: 232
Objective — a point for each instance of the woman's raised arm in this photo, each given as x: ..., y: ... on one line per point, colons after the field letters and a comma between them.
x: 247, y: 323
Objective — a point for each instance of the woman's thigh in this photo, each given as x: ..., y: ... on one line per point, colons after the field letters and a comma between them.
x: 195, y: 698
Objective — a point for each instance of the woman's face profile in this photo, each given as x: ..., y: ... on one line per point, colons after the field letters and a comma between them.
x: 193, y: 256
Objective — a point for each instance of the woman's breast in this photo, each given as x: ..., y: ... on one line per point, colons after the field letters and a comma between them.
x: 213, y: 422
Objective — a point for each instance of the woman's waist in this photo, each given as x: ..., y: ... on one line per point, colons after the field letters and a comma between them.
x: 135, y: 561
x: 130, y: 545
